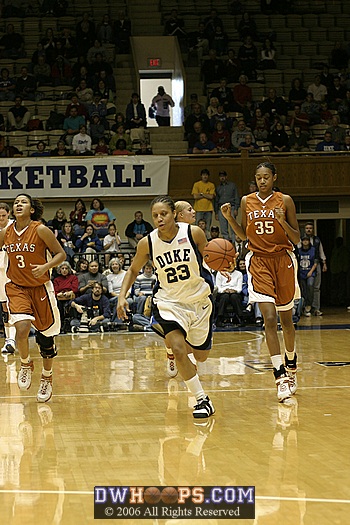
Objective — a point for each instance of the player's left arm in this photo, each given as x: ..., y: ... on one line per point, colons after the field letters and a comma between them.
x: 288, y: 219
x: 59, y: 255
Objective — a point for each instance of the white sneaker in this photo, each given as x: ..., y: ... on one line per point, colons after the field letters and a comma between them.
x: 45, y: 389
x: 24, y: 379
x: 291, y: 370
x: 204, y: 408
x: 283, y: 388
x: 171, y: 367
x: 9, y: 347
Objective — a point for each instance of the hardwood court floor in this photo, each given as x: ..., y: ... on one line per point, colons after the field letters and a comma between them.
x: 116, y: 419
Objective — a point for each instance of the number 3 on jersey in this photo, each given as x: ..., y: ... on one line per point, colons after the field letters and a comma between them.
x: 264, y: 227
x: 180, y: 273
x: 21, y: 262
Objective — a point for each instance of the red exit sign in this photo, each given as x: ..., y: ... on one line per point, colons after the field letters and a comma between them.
x: 154, y: 62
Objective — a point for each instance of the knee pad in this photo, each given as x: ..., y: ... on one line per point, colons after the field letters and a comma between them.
x: 5, y: 317
x: 46, y: 345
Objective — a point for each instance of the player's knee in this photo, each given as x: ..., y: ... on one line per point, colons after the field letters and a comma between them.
x: 200, y: 356
x: 270, y: 321
x: 46, y: 345
x: 179, y: 352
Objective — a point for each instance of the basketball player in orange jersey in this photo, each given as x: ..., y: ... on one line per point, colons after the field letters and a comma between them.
x: 30, y: 294
x: 269, y: 223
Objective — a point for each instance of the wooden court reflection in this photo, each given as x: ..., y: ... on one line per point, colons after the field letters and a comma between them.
x: 116, y: 419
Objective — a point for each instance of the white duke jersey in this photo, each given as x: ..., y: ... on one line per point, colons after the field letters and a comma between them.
x: 181, y: 277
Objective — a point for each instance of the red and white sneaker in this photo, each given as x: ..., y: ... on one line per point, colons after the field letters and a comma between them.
x: 171, y: 367
x: 45, y: 389
x: 24, y: 379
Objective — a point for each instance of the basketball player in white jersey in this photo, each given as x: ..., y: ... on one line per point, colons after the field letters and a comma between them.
x: 10, y: 331
x: 182, y: 296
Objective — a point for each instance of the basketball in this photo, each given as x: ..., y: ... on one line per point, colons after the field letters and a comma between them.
x: 152, y: 495
x: 169, y: 495
x: 219, y: 254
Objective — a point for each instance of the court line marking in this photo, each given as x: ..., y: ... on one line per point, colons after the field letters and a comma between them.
x: 258, y: 498
x: 217, y: 391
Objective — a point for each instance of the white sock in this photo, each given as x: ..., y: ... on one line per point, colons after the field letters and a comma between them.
x: 290, y: 355
x: 276, y: 361
x: 25, y: 360
x: 47, y: 373
x: 192, y: 358
x: 195, y: 387
x: 10, y: 332
x: 169, y: 351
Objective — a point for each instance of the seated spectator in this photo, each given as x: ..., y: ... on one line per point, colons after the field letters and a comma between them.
x: 105, y: 32
x: 232, y: 67
x: 212, y: 109
x: 274, y: 105
x: 328, y: 144
x: 242, y: 93
x: 41, y: 150
x: 135, y: 117
x: 111, y: 242
x: 84, y: 92
x: 49, y: 43
x: 247, y: 27
x: 97, y: 48
x: 61, y: 150
x: 6, y: 150
x: 318, y: 90
x: 96, y: 306
x: 298, y: 139
x: 211, y: 69
x: 66, y: 288
x: 326, y: 76
x: 89, y: 242
x: 224, y: 95
x: 144, y: 149
x: 101, y: 148
x: 220, y: 116
x: 297, y: 93
x: 88, y: 279
x: 198, y: 42
x: 249, y: 309
x: 221, y: 138
x: 219, y: 41
x: 119, y: 121
x: 81, y: 144
x: 99, y: 107
x: 248, y: 56
x: 193, y: 136
x: 99, y: 217
x: 143, y: 287
x: 279, y: 139
x: 190, y: 107
x: 346, y: 145
x: 100, y: 65
x: 97, y: 129
x: 137, y: 229
x: 268, y: 54
x: 229, y: 293
x: 311, y: 108
x: 343, y: 108
x: 297, y: 118
x: 122, y: 29
x: 106, y: 94
x: 114, y: 282
x: 214, y: 233
x: 25, y: 85
x: 18, y: 116
x: 260, y: 125
x: 202, y: 224
x: 248, y: 145
x: 336, y: 93
x: 72, y: 124
x: 7, y: 86
x: 204, y: 145
x: 42, y: 72
x: 83, y: 74
x: 307, y: 272
x: 69, y: 44
x: 12, y: 44
x: 337, y: 131
x: 325, y: 114
x: 174, y: 26
x: 120, y: 134
x: 67, y: 239
x: 196, y: 116
x: 81, y: 266
x: 77, y: 217
x: 58, y: 220
x: 211, y: 22
x: 61, y: 72
x: 85, y: 34
x: 239, y: 134
x: 120, y: 148
x: 81, y: 108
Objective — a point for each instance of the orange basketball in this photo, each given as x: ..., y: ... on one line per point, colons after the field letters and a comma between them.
x: 219, y: 254
x: 169, y: 495
x: 152, y: 495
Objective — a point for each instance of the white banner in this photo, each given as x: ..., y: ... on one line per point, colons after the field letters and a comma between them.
x: 52, y: 177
